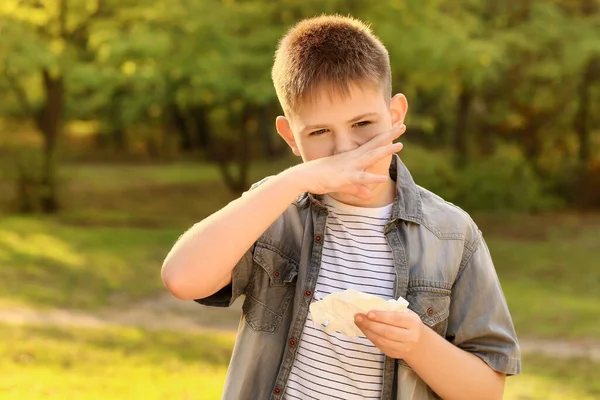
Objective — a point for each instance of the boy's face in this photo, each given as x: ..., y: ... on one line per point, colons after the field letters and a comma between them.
x: 333, y: 124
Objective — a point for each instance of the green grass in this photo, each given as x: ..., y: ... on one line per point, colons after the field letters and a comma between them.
x: 119, y: 363
x: 120, y: 221
x: 551, y: 275
x: 65, y: 364
x: 45, y: 263
x: 109, y: 242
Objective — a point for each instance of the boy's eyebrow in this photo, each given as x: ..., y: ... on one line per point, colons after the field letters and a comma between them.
x: 357, y: 118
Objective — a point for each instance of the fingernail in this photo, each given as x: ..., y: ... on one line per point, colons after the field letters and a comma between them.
x: 372, y: 315
x: 358, y: 318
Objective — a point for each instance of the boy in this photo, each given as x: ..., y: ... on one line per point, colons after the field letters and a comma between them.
x: 349, y: 217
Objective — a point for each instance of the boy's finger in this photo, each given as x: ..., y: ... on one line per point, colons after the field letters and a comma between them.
x: 357, y: 190
x: 383, y: 138
x: 389, y: 332
x: 403, y: 319
x: 366, y: 178
x: 371, y: 157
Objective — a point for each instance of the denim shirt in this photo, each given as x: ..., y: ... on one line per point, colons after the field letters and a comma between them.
x: 443, y: 268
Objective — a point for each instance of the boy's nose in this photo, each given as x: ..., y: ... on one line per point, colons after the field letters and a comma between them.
x: 344, y: 143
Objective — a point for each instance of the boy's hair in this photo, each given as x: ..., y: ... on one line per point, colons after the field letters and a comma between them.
x: 331, y: 51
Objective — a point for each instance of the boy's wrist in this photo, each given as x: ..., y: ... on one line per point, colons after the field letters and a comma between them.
x: 295, y: 179
x: 420, y: 349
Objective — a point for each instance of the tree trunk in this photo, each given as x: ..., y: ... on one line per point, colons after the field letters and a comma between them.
x: 202, y: 132
x: 49, y: 122
x: 265, y: 130
x: 582, y: 116
x: 241, y: 159
x: 465, y: 99
x: 177, y: 123
x: 115, y: 114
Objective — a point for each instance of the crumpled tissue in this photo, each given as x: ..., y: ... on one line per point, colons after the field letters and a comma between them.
x: 337, y: 310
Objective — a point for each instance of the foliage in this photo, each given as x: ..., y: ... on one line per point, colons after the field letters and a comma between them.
x: 187, y: 76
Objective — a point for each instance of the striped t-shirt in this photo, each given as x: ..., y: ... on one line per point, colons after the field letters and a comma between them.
x: 355, y: 256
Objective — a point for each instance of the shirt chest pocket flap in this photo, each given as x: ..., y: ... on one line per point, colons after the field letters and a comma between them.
x: 270, y: 289
x: 432, y: 305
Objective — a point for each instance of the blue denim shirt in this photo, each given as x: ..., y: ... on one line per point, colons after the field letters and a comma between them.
x: 443, y: 268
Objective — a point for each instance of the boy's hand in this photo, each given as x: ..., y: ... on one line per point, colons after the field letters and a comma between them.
x: 345, y: 172
x: 397, y: 334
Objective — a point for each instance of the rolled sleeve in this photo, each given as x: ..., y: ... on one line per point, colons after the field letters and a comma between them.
x: 240, y: 275
x: 239, y: 281
x: 480, y: 321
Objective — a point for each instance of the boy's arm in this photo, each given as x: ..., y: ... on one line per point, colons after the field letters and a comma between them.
x: 201, y: 261
x: 480, y: 347
x: 453, y: 373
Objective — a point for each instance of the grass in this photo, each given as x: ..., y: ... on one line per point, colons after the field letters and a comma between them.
x: 119, y: 363
x: 117, y: 227
x: 107, y: 246
x: 550, y: 275
x: 51, y: 363
x: 46, y: 263
x: 120, y: 221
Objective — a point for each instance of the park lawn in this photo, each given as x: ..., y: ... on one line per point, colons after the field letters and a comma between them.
x: 106, y: 248
x: 49, y: 264
x: 552, y: 286
x: 120, y: 363
x: 124, y: 363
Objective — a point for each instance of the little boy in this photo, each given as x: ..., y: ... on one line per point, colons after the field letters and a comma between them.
x: 349, y: 217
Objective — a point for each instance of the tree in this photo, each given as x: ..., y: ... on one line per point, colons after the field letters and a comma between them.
x: 43, y: 39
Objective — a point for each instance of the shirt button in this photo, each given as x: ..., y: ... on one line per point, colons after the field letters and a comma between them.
x: 277, y: 390
x: 318, y: 238
x: 307, y: 293
x: 292, y: 342
x: 430, y: 311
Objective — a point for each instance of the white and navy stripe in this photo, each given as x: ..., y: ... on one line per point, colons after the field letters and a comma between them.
x: 355, y: 256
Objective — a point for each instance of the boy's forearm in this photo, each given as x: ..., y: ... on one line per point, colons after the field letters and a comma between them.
x: 201, y: 261
x: 453, y: 373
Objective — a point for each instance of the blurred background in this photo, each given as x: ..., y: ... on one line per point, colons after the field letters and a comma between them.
x: 123, y: 122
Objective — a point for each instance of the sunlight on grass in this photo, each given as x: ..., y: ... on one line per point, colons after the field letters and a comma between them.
x: 120, y: 363
x: 48, y: 264
x: 51, y: 363
x: 120, y: 222
x: 38, y: 245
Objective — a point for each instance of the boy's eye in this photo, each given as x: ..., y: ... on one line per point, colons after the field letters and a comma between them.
x: 363, y: 123
x: 319, y: 132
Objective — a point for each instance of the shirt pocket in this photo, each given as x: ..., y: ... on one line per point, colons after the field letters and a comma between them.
x: 270, y: 288
x: 432, y: 305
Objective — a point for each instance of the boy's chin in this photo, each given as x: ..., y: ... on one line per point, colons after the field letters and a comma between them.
x: 351, y: 200
x: 382, y: 195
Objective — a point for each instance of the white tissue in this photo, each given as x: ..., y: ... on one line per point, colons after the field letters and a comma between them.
x: 338, y: 310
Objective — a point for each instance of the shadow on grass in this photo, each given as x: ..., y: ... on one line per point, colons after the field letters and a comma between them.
x: 47, y: 264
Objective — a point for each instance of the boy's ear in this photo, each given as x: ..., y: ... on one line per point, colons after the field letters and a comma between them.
x: 398, y: 109
x: 285, y: 131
